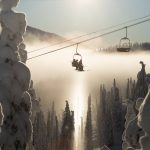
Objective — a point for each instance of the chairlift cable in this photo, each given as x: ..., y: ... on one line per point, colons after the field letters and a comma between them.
x: 89, y: 39
x: 80, y: 36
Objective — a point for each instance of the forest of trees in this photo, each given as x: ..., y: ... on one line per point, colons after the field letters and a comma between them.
x: 113, y: 114
x: 145, y: 46
x: 52, y: 133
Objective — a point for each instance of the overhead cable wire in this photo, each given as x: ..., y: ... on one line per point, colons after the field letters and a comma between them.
x: 89, y: 39
x: 80, y: 36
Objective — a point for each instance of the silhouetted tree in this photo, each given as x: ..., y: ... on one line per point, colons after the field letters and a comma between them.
x: 100, y: 117
x: 127, y: 90
x: 116, y: 112
x: 67, y: 130
x: 130, y: 89
x: 52, y: 129
x: 88, y: 127
x: 56, y: 134
x: 104, y: 120
x: 116, y: 115
x: 39, y: 132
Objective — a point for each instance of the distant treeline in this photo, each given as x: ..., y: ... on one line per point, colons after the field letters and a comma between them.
x: 141, y: 46
x: 145, y: 46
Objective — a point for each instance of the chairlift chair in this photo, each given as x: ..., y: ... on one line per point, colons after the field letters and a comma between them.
x: 77, y: 60
x: 76, y: 57
x: 124, y: 45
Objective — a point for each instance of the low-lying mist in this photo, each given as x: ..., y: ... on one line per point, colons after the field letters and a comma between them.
x: 56, y: 80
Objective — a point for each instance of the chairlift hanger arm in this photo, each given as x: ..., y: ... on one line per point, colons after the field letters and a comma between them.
x: 77, y: 48
x: 126, y: 32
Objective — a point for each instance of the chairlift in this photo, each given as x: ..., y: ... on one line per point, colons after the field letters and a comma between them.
x: 77, y: 61
x: 124, y: 45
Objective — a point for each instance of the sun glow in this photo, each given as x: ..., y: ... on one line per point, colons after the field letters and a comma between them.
x: 78, y: 98
x: 84, y: 2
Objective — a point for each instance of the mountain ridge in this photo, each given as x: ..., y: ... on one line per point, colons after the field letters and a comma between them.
x: 34, y: 34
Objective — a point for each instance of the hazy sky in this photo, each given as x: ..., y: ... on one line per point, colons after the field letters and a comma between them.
x: 82, y: 16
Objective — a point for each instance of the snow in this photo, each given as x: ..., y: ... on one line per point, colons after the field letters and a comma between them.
x: 1, y: 115
x: 144, y: 122
x: 15, y: 101
x: 133, y: 132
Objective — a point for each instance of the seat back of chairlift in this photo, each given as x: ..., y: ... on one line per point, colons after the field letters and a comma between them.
x: 77, y: 56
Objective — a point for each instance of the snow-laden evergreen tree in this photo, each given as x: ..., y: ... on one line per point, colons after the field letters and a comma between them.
x: 67, y: 130
x: 35, y: 101
x: 39, y: 132
x: 16, y: 129
x: 1, y: 116
x: 130, y: 115
x: 144, y: 122
x: 133, y: 132
x: 141, y: 87
x: 52, y: 130
x: 88, y: 128
x: 36, y: 106
x: 140, y: 91
x: 128, y: 108
x: 22, y: 53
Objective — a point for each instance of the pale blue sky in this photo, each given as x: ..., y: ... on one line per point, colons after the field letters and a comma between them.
x: 68, y: 16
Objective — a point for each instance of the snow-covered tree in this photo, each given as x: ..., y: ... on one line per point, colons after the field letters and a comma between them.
x: 133, y: 132
x: 1, y: 116
x: 141, y: 87
x: 22, y: 53
x: 144, y: 122
x: 16, y: 129
x: 130, y: 115
x: 35, y: 101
